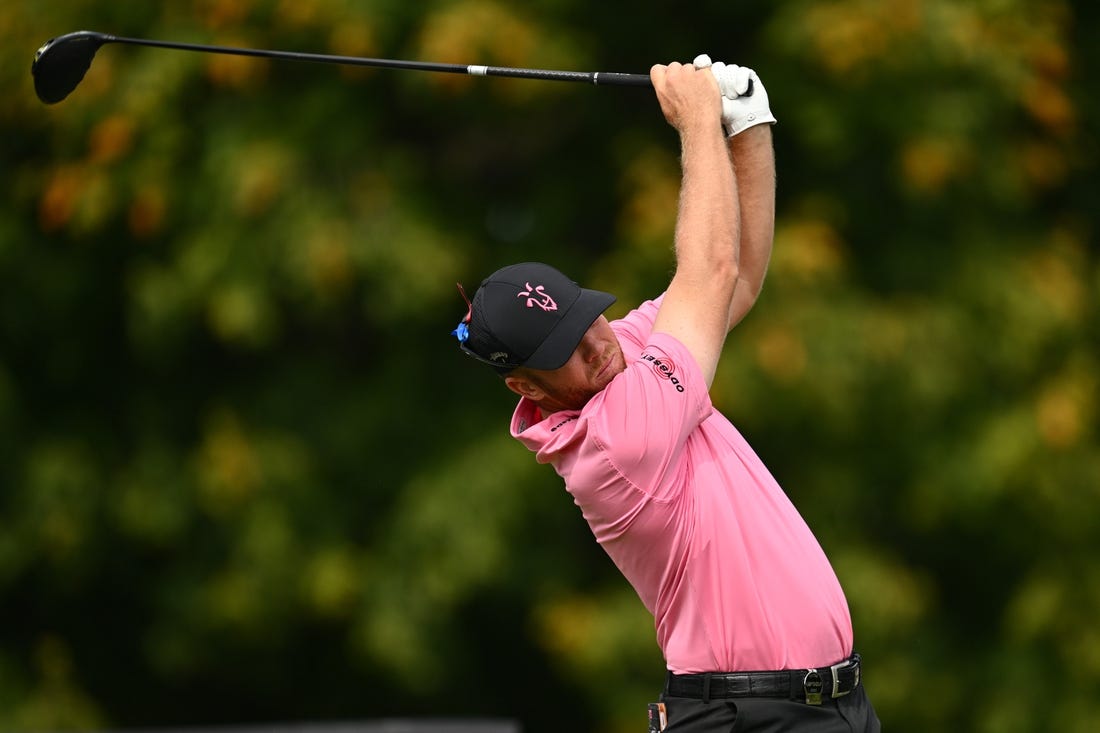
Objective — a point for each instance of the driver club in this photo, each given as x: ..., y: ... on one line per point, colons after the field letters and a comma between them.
x: 61, y: 63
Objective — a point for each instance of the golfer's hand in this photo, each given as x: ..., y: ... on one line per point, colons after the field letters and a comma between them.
x: 689, y: 96
x: 740, y: 112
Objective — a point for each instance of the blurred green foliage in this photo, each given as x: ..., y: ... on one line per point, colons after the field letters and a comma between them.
x: 246, y: 476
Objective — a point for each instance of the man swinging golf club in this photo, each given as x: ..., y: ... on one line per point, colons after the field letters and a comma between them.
x: 750, y: 617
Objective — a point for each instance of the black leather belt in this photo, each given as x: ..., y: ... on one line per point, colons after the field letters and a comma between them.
x: 807, y: 685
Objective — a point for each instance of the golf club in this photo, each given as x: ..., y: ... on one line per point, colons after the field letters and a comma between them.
x: 61, y: 63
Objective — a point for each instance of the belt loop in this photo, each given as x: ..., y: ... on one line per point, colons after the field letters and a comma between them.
x: 706, y: 688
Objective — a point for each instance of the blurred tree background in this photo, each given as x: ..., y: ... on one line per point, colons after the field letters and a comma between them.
x: 246, y: 476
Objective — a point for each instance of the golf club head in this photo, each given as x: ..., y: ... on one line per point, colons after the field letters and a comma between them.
x: 60, y: 65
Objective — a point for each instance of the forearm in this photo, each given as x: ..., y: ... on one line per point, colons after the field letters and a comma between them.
x: 754, y: 163
x: 707, y: 227
x: 697, y: 301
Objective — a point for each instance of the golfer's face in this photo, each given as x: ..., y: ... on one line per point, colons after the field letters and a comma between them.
x: 597, y: 359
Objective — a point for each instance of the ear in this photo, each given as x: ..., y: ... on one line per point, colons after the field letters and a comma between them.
x: 524, y: 387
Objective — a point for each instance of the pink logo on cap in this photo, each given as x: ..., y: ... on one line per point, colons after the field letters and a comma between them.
x: 538, y: 296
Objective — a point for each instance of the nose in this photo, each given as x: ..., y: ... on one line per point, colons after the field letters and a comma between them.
x: 591, y: 346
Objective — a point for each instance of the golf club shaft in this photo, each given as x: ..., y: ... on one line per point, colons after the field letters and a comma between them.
x: 594, y: 77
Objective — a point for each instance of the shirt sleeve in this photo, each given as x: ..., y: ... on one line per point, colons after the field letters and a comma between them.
x: 637, y: 325
x: 646, y: 416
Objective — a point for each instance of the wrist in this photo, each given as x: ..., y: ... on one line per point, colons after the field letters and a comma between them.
x: 702, y: 129
x: 750, y: 137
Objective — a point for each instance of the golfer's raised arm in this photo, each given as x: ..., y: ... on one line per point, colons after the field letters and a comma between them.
x: 747, y: 118
x: 696, y: 306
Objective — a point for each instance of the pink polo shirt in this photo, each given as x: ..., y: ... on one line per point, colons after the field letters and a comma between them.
x: 693, y: 519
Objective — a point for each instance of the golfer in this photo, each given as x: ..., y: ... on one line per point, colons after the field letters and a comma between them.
x: 750, y: 617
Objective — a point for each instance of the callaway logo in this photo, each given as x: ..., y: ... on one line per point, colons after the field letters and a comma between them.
x: 537, y: 296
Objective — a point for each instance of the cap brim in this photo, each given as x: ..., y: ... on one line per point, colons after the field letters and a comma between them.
x: 557, y: 347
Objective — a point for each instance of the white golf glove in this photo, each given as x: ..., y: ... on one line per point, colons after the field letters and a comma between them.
x: 739, y: 112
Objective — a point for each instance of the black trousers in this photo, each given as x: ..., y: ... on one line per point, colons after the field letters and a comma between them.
x: 849, y: 714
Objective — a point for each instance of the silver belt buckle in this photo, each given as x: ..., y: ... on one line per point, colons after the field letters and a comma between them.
x: 835, y: 669
x: 813, y: 686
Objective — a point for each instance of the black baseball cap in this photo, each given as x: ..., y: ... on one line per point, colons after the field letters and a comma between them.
x: 528, y: 315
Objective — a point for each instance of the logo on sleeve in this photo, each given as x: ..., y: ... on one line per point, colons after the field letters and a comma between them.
x: 665, y: 368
